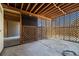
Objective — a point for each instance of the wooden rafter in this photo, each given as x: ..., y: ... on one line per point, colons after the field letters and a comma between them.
x: 28, y: 6
x: 8, y: 4
x: 34, y: 7
x: 60, y: 4
x: 39, y: 7
x: 18, y: 11
x: 47, y: 9
x: 66, y: 5
x: 71, y: 9
x: 15, y: 5
x: 52, y: 14
x: 59, y: 8
x: 44, y: 8
x: 71, y: 6
x: 22, y: 5
x: 55, y: 15
x: 52, y: 10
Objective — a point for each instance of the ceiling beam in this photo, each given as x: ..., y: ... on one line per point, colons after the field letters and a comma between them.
x: 59, y: 8
x: 8, y: 4
x: 65, y: 5
x: 73, y: 9
x: 11, y: 14
x: 53, y: 10
x: 50, y: 7
x: 39, y: 7
x: 69, y: 7
x: 44, y: 8
x: 28, y: 7
x: 22, y: 5
x: 15, y: 5
x: 34, y: 7
x: 18, y: 11
x: 60, y: 4
x: 53, y: 14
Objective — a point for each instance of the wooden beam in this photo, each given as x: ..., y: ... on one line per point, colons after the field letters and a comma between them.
x: 50, y: 7
x: 18, y: 11
x: 58, y: 11
x: 28, y: 6
x: 65, y: 5
x: 52, y: 14
x: 52, y: 10
x: 69, y: 11
x: 22, y: 5
x: 8, y: 4
x: 15, y: 5
x: 34, y: 7
x: 69, y: 7
x: 11, y: 14
x: 13, y: 11
x: 55, y: 15
x: 59, y: 8
x: 44, y: 8
x: 21, y: 29
x: 73, y: 9
x: 60, y: 4
x: 39, y: 7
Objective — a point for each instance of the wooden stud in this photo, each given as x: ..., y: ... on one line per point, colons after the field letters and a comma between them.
x: 39, y: 7
x: 34, y: 7
x: 21, y: 30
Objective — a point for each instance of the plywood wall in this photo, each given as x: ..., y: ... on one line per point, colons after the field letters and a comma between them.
x: 11, y: 28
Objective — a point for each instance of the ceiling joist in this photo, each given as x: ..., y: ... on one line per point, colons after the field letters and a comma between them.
x: 18, y: 11
x: 39, y: 8
x: 15, y: 5
x: 43, y: 8
x: 28, y: 6
x: 8, y: 4
x: 22, y: 6
x: 34, y: 7
x: 59, y: 8
x: 51, y: 7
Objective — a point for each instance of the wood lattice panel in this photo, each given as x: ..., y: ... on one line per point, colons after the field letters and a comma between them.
x: 29, y: 34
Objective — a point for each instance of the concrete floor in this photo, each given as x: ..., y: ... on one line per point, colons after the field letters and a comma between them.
x: 50, y: 47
